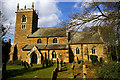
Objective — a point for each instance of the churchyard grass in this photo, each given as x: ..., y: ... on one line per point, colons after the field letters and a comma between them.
x: 36, y: 71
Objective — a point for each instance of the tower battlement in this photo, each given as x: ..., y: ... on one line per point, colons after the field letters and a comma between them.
x: 26, y: 9
x: 26, y: 23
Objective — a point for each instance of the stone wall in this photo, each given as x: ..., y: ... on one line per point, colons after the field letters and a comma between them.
x: 60, y: 40
x: 34, y: 40
x: 47, y: 54
x: 99, y: 51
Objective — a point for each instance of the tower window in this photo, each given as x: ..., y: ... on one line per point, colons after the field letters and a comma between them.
x: 23, y: 26
x: 23, y: 18
x: 39, y: 41
x: 93, y: 50
x: 77, y: 51
x: 55, y: 40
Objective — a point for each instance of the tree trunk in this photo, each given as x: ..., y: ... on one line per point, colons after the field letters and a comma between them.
x: 116, y: 50
x: 110, y: 54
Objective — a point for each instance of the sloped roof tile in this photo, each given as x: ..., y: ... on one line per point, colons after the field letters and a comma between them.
x: 46, y: 46
x: 84, y: 37
x: 49, y: 32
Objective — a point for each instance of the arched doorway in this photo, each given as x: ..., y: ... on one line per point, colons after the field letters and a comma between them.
x: 33, y: 58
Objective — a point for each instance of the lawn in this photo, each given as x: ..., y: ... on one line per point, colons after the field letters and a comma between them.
x: 67, y: 73
x: 36, y: 71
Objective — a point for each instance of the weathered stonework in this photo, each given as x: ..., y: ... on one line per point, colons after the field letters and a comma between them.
x: 99, y: 51
x: 25, y: 42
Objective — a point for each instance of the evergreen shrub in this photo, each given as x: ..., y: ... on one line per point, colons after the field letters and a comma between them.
x: 109, y: 71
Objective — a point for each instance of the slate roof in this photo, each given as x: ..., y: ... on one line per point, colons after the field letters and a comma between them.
x: 46, y: 47
x: 49, y: 32
x: 85, y: 37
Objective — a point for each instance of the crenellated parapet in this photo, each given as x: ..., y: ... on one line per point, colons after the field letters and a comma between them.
x: 26, y: 9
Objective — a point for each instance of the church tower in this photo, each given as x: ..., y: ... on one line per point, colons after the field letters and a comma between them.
x: 26, y: 23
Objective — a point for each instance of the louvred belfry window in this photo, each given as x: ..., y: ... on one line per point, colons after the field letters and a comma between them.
x: 23, y: 18
x: 23, y: 26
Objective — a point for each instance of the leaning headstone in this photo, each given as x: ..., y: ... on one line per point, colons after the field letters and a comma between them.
x: 61, y: 63
x: 31, y: 64
x: 50, y: 62
x: 54, y: 74
x: 22, y: 63
x: 46, y: 62
x: 64, y: 63
x: 25, y: 64
x: 57, y: 63
x: 43, y: 64
x: 73, y: 65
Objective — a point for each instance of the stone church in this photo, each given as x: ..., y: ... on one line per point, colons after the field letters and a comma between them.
x: 33, y: 44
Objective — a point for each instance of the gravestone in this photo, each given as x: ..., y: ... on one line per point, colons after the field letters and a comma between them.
x: 43, y: 65
x: 31, y: 64
x: 46, y: 61
x: 57, y: 63
x: 27, y: 65
x: 24, y: 63
x: 59, y: 66
x: 84, y: 71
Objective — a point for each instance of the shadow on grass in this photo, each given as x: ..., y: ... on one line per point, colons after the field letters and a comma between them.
x: 18, y: 72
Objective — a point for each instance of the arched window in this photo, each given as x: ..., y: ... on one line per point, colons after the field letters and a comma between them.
x: 77, y: 51
x: 93, y: 50
x: 53, y: 54
x: 23, y: 18
x: 39, y: 41
x: 55, y: 40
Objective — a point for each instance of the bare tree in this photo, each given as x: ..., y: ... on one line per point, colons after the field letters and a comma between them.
x: 5, y: 45
x: 104, y: 15
x: 4, y: 29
